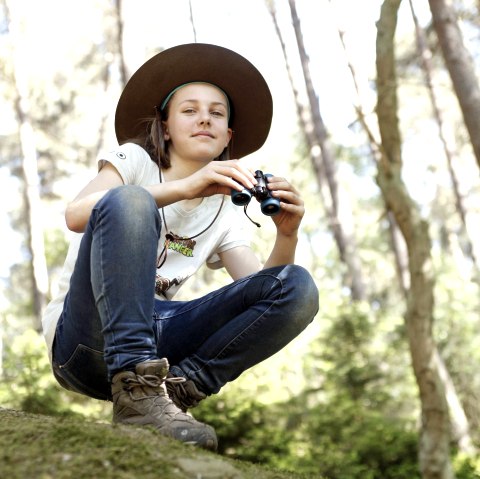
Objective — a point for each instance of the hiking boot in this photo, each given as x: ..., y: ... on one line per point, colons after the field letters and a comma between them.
x: 140, y: 398
x: 184, y: 394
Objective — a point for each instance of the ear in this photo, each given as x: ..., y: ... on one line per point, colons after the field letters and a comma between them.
x: 166, y: 135
x: 229, y: 136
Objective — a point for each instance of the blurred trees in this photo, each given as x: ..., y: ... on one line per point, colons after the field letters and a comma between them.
x: 390, y: 237
x: 435, y: 431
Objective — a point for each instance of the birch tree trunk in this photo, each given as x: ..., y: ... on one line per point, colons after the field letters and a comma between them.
x: 29, y: 172
x: 434, y: 449
x: 460, y: 67
x: 324, y: 164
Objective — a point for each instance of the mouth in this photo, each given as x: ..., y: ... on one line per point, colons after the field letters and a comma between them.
x: 203, y: 133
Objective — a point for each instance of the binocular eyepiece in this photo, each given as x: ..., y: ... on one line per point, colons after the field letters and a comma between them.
x: 269, y: 205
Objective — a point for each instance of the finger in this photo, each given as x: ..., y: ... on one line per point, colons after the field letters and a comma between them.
x: 231, y: 177
x: 292, y: 209
x: 288, y: 197
x: 277, y: 183
x: 240, y: 174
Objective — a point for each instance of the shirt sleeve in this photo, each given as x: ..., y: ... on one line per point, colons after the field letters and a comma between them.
x: 131, y: 161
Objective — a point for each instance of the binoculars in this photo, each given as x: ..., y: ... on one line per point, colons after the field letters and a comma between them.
x: 269, y: 205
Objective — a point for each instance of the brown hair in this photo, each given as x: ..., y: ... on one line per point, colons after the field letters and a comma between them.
x: 155, y: 144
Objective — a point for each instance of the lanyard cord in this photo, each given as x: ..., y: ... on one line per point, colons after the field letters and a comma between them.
x: 171, y: 236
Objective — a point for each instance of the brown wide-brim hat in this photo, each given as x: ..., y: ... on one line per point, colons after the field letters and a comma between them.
x: 250, y: 99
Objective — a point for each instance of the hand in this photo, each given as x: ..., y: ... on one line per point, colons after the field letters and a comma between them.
x: 219, y: 177
x: 292, y: 206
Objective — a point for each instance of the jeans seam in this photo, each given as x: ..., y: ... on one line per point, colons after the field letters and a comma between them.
x: 219, y: 292
x: 102, y: 294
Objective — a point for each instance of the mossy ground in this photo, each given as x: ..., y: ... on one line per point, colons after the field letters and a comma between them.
x: 44, y: 447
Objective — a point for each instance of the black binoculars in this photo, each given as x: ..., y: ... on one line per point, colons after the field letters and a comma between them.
x: 269, y: 205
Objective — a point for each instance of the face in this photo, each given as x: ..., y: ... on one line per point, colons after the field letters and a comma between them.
x: 197, y: 124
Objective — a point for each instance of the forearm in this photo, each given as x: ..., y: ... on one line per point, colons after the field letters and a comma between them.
x: 79, y: 210
x: 283, y: 251
x: 167, y: 193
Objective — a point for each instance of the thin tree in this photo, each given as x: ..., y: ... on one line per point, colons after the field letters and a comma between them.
x: 29, y: 173
x: 434, y: 448
x: 192, y: 21
x: 425, y: 56
x: 302, y: 116
x: 122, y: 67
x: 324, y: 166
x: 396, y: 241
x: 460, y: 66
x: 460, y: 425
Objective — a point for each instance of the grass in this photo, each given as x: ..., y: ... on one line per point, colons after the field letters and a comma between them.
x: 44, y: 447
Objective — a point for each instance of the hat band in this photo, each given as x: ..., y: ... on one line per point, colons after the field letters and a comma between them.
x: 169, y: 96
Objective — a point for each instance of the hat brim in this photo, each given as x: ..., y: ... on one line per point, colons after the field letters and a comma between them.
x: 249, y: 95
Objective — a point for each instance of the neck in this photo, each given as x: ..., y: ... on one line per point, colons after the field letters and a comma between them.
x: 180, y: 169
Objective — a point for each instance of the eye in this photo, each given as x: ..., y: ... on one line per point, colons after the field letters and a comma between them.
x: 189, y: 110
x: 218, y: 113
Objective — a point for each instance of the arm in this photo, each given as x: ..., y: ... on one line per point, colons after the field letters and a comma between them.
x: 287, y: 221
x: 214, y: 178
x: 241, y: 261
x: 78, y: 211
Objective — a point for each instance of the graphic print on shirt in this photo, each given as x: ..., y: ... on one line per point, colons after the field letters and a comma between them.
x: 164, y: 284
x: 180, y: 244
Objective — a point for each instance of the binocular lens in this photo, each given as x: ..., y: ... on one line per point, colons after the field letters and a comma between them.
x: 270, y: 206
x: 241, y: 198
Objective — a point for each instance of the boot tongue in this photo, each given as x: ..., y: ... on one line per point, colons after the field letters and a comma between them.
x: 155, y: 367
x: 153, y: 373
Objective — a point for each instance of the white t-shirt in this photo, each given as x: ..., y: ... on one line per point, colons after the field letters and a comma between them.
x: 184, y: 257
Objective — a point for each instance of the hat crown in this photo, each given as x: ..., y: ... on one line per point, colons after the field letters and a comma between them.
x: 248, y: 93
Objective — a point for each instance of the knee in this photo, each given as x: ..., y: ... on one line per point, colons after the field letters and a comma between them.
x: 130, y: 198
x: 302, y: 291
x: 133, y: 206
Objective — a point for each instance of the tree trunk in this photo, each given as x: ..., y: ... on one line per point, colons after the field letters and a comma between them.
x: 29, y: 174
x: 434, y: 450
x: 121, y: 57
x: 324, y: 165
x: 396, y: 240
x: 460, y: 426
x: 425, y: 56
x: 460, y: 67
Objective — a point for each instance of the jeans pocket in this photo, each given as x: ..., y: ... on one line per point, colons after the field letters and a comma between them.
x: 85, y: 372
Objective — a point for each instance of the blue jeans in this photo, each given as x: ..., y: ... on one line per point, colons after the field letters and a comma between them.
x: 111, y: 320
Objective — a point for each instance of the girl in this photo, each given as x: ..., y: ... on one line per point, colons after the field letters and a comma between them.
x: 155, y: 212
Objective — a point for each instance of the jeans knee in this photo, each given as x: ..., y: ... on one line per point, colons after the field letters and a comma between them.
x: 133, y: 205
x: 131, y: 198
x: 303, y: 293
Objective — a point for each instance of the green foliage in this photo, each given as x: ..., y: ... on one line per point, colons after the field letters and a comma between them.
x: 56, y: 248
x: 466, y: 467
x: 28, y: 383
x: 355, y: 442
x: 247, y: 429
x: 343, y: 424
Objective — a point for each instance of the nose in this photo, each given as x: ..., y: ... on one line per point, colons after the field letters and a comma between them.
x: 204, y: 117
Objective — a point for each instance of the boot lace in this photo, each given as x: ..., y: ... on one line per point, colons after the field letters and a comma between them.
x: 183, y: 393
x: 149, y: 381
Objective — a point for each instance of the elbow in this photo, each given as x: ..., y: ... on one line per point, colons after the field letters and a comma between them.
x: 74, y: 220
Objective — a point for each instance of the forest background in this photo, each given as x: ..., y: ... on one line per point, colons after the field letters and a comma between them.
x: 376, y: 121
